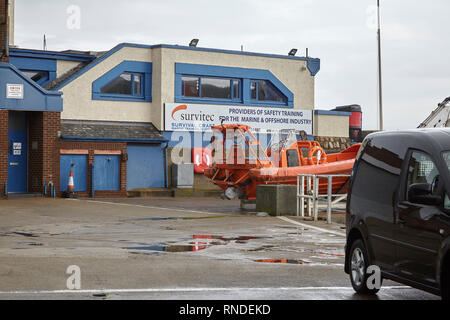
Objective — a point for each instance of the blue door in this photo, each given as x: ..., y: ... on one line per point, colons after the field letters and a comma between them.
x: 78, y: 164
x: 145, y: 167
x: 17, y: 153
x: 107, y: 172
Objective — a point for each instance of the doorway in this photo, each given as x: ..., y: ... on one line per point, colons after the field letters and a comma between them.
x: 17, y: 152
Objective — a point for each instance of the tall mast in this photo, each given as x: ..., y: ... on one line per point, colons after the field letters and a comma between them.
x: 380, y: 87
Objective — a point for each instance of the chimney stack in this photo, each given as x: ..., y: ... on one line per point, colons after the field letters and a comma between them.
x: 4, y: 31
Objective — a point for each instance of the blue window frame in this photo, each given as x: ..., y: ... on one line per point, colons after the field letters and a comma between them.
x: 41, y: 77
x: 263, y: 90
x: 190, y: 86
x: 41, y: 71
x: 211, y: 88
x: 128, y: 81
x: 126, y: 84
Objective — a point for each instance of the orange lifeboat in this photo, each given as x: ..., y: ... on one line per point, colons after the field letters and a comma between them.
x: 238, y: 167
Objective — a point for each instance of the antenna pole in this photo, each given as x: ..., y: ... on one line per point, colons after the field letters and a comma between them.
x: 380, y: 87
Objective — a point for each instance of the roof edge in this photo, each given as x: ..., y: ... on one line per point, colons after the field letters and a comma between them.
x: 312, y: 63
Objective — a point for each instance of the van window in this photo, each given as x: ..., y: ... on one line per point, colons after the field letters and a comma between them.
x: 446, y: 156
x: 378, y: 174
x: 373, y: 184
x: 446, y: 202
x: 421, y: 169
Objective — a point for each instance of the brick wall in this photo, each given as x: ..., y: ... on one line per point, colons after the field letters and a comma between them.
x: 3, y: 150
x: 35, y: 151
x: 333, y: 144
x: 3, y: 29
x: 91, y: 147
x: 50, y: 155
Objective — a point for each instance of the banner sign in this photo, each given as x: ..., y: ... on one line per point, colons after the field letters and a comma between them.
x: 200, y: 117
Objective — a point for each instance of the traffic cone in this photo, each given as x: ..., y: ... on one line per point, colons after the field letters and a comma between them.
x: 70, y: 192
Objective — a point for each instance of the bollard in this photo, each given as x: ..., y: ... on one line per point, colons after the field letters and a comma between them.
x: 329, y: 195
x: 316, y: 197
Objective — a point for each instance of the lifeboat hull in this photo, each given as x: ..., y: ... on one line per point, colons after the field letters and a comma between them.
x: 276, y: 175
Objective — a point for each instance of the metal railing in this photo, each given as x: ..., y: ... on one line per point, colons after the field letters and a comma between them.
x: 312, y: 194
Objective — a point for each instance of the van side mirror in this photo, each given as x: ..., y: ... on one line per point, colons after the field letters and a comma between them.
x: 421, y: 193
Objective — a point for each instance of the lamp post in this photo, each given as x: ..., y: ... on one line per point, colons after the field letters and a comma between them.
x: 380, y: 87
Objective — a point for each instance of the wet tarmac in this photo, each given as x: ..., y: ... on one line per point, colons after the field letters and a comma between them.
x: 207, y: 249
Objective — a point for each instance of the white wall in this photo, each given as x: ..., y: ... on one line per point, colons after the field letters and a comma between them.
x: 11, y: 22
x: 77, y: 95
x: 292, y: 73
x: 62, y: 66
x: 331, y: 126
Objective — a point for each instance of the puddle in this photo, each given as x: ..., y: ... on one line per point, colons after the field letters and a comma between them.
x: 165, y: 248
x: 157, y: 219
x: 152, y: 253
x: 267, y: 247
x: 178, y: 218
x: 290, y: 261
x: 25, y: 234
x: 331, y: 254
x: 200, y: 242
x: 34, y: 244
x: 238, y: 238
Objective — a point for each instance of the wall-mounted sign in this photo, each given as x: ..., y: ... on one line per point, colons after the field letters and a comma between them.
x: 14, y: 91
x: 17, y: 148
x: 200, y: 117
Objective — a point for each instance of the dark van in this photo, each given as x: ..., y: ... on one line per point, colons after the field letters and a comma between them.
x: 398, y: 211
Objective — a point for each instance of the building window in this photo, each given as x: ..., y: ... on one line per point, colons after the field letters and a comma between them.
x: 128, y: 81
x: 191, y: 86
x: 263, y: 90
x: 125, y: 84
x: 210, y: 84
x: 38, y: 76
x: 210, y: 88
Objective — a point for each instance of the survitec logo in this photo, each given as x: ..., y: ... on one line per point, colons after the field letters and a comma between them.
x: 194, y: 116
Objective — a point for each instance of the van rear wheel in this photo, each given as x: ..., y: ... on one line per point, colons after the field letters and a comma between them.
x: 358, y: 268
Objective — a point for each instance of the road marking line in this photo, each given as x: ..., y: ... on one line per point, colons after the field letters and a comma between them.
x: 312, y: 227
x: 93, y: 291
x: 151, y: 207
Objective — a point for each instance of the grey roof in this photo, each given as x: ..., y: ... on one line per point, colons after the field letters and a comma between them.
x: 109, y: 130
x: 55, y: 82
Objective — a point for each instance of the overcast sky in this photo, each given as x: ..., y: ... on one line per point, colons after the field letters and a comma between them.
x: 415, y: 41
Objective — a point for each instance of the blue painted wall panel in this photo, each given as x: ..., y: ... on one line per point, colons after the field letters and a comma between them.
x: 35, y: 98
x: 107, y: 172
x: 78, y: 164
x: 145, y: 167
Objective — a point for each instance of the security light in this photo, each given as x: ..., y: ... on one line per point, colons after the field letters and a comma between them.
x: 292, y: 52
x: 193, y: 43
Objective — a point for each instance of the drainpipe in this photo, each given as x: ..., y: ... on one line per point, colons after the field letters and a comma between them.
x: 92, y: 181
x: 166, y: 175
